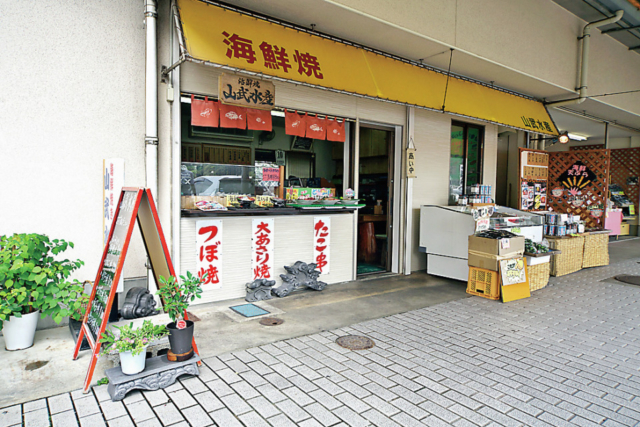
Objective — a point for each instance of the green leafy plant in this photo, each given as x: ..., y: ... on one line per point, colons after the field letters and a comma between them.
x: 31, y: 278
x: 103, y: 381
x: 130, y: 339
x: 177, y: 296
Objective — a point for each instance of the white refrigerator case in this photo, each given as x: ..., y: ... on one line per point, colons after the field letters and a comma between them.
x: 445, y: 230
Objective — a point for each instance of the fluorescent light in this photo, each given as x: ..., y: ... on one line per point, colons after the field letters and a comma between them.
x: 577, y: 137
x: 277, y: 113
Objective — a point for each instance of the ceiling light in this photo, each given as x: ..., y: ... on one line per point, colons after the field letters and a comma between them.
x: 277, y: 113
x: 577, y: 137
x: 563, y: 138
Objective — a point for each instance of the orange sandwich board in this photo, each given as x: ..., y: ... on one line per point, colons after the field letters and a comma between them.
x: 134, y: 203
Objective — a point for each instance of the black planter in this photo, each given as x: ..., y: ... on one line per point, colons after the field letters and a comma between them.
x: 180, y: 339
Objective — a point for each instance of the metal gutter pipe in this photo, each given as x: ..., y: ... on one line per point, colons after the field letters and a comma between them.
x: 586, y: 36
x: 151, y: 99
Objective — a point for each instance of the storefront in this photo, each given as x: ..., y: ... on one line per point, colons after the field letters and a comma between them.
x: 386, y: 106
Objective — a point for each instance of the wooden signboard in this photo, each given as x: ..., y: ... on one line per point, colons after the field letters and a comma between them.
x: 133, y: 204
x: 246, y: 92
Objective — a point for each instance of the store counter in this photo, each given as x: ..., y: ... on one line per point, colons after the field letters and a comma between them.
x: 293, y: 234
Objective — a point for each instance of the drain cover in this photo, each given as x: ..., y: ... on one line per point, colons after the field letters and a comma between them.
x: 35, y: 365
x: 355, y: 342
x: 271, y: 321
x: 632, y: 280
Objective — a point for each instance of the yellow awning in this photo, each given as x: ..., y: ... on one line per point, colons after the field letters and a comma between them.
x: 220, y: 36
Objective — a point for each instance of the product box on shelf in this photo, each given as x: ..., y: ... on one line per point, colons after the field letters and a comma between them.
x: 507, y: 247
x: 486, y: 261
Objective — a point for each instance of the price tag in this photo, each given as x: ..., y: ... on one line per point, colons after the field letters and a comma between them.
x: 505, y: 243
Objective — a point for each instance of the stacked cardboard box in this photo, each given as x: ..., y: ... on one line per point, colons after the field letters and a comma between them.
x: 484, y: 258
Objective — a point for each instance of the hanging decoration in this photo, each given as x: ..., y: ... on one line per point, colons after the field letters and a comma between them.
x: 204, y: 113
x: 335, y: 130
x: 316, y: 128
x: 232, y: 116
x: 259, y: 119
x: 295, y: 124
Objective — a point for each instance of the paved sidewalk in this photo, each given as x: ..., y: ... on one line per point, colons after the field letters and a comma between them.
x: 566, y: 356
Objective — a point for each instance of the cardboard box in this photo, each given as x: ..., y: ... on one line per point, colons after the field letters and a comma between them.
x: 624, y: 229
x: 486, y: 261
x: 503, y: 247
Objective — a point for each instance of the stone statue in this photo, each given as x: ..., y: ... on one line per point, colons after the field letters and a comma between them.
x: 139, y: 302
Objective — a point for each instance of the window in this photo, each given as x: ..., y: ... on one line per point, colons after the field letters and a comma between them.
x: 465, y: 163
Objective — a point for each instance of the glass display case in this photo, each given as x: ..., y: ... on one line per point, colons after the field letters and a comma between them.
x: 212, y: 179
x: 445, y: 231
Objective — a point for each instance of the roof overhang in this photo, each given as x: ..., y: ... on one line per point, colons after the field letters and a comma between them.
x: 219, y: 36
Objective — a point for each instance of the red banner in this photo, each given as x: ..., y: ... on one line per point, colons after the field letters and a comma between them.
x: 204, y: 113
x: 259, y: 119
x: 295, y: 124
x: 316, y: 127
x: 232, y: 116
x: 335, y: 130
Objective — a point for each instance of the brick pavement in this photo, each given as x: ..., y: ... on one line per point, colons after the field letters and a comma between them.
x: 566, y: 356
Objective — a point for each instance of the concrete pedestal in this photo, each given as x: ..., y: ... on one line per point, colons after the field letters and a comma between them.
x: 158, y: 373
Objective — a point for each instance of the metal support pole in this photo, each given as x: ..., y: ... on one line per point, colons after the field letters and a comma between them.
x: 606, y: 134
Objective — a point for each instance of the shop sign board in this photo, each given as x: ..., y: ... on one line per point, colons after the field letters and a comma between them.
x: 113, y: 180
x: 482, y: 215
x: 322, y: 243
x: 513, y: 271
x: 246, y: 92
x: 411, y: 163
x: 135, y: 206
x: 259, y: 46
x: 262, y: 248
x: 271, y: 174
x: 209, y: 253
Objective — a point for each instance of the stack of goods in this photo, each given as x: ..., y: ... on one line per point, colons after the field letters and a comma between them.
x: 559, y: 225
x: 479, y: 194
x: 538, y: 264
x: 487, y: 249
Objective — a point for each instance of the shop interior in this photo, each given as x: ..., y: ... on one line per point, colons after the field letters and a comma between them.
x: 375, y: 190
x: 230, y: 161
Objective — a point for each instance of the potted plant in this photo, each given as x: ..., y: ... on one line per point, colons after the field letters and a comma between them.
x: 131, y: 344
x: 33, y: 281
x: 176, y: 297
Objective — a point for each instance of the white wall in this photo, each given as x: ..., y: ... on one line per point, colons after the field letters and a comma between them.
x: 72, y: 94
x: 432, y: 138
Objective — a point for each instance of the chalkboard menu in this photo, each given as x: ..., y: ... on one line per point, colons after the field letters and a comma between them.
x: 134, y: 204
x: 101, y: 303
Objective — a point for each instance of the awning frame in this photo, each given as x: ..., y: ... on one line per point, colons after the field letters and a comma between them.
x: 185, y: 56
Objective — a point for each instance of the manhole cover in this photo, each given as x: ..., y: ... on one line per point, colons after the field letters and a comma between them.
x: 632, y: 280
x: 35, y: 365
x: 271, y: 321
x: 355, y: 342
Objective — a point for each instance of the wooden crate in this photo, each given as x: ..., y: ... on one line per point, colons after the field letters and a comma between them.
x: 570, y: 260
x: 596, y: 250
x: 484, y: 283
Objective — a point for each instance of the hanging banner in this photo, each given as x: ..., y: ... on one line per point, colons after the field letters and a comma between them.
x: 259, y: 120
x: 209, y: 252
x: 411, y: 163
x: 255, y: 45
x: 232, y: 116
x: 322, y: 243
x: 113, y: 179
x: 246, y: 92
x: 262, y: 248
x: 295, y: 124
x: 316, y: 128
x: 335, y: 130
x: 204, y: 113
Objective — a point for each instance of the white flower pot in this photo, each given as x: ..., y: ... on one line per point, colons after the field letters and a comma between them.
x: 19, y: 331
x: 133, y: 364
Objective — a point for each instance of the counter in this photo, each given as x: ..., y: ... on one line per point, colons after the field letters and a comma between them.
x: 445, y: 230
x: 293, y: 240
